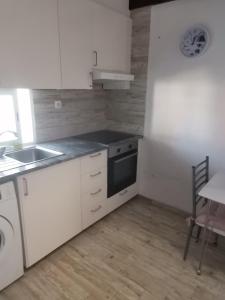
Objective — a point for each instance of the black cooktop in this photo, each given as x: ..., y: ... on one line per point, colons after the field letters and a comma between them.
x: 105, y: 137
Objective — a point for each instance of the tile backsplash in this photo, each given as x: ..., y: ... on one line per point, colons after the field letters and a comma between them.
x: 82, y: 111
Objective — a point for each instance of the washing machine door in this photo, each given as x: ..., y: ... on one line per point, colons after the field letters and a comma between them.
x: 6, y: 237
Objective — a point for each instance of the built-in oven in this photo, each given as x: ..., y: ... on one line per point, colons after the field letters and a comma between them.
x: 122, y: 166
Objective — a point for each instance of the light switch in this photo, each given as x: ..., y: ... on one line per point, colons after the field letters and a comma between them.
x: 58, y: 104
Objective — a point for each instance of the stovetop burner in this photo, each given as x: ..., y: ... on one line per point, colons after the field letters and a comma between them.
x: 105, y: 137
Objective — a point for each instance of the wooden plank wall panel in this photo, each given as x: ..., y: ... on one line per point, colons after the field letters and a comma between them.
x: 126, y: 108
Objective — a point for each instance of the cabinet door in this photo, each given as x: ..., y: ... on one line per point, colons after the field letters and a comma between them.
x: 29, y: 55
x: 50, y: 208
x: 75, y: 19
x: 112, y: 40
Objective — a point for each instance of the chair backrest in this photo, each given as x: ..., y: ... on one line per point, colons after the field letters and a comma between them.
x: 200, y: 176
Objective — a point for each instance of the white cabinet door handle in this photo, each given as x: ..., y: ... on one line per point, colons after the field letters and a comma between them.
x: 96, y: 58
x: 25, y: 187
x: 124, y: 158
x: 124, y: 193
x: 96, y: 174
x: 96, y: 193
x: 97, y: 209
x: 95, y: 155
x: 91, y: 79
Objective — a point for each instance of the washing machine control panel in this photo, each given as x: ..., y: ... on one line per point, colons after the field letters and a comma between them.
x: 6, y: 190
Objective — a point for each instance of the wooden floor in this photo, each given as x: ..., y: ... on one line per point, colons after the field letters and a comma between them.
x: 134, y: 253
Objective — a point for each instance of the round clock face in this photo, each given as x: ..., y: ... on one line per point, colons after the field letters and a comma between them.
x: 195, y: 41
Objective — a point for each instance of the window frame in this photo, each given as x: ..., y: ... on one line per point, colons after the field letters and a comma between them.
x: 18, y: 140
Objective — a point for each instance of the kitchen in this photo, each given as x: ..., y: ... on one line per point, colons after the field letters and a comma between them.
x: 106, y: 122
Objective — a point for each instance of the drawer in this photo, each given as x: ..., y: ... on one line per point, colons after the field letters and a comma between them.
x: 94, y: 179
x: 93, y: 196
x: 94, y: 162
x: 122, y: 197
x: 92, y: 212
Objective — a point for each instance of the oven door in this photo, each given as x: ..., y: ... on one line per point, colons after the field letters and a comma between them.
x: 122, y: 172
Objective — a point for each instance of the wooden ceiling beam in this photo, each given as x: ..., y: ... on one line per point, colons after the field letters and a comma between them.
x: 133, y: 4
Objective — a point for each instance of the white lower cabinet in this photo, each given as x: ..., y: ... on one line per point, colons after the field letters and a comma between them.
x: 93, y: 187
x: 93, y: 206
x: 50, y: 208
x: 60, y: 201
x: 94, y: 162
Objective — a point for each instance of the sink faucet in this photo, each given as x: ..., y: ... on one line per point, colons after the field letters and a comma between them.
x: 3, y: 148
x: 9, y: 131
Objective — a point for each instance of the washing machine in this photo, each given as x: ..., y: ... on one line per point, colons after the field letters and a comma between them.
x: 11, y: 255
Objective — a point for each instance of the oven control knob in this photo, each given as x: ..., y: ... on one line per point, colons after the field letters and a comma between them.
x: 118, y: 150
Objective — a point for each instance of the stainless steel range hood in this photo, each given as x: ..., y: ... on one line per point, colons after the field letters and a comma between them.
x: 112, y: 80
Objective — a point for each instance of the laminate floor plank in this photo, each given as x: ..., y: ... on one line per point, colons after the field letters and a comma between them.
x: 135, y: 253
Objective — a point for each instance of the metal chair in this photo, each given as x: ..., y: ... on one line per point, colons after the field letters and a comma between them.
x: 200, y: 176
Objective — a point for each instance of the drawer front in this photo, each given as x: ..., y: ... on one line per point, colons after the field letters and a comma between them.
x: 92, y: 211
x: 94, y: 162
x: 94, y: 196
x: 121, y: 198
x: 94, y: 180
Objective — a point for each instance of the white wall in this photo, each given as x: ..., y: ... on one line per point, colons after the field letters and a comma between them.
x: 185, y: 112
x: 119, y: 5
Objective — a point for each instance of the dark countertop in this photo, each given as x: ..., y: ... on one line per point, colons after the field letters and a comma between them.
x: 73, y: 147
x: 107, y: 137
x: 70, y: 147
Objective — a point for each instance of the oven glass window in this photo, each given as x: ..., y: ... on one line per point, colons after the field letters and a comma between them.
x: 122, y: 173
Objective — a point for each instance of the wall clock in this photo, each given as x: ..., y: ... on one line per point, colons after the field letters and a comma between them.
x: 195, y: 41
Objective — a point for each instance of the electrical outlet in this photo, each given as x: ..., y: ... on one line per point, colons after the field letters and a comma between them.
x: 58, y: 104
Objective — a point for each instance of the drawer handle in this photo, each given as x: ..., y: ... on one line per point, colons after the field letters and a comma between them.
x: 91, y: 79
x: 97, y: 174
x: 97, y: 209
x: 124, y: 193
x: 126, y: 157
x: 96, y: 58
x: 25, y: 187
x: 96, y: 193
x: 95, y: 155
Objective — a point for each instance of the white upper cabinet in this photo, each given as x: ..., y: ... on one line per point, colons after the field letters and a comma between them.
x: 111, y: 40
x: 52, y: 44
x: 29, y: 55
x: 75, y: 26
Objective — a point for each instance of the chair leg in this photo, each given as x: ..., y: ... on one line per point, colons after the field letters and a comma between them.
x: 205, y: 239
x: 216, y: 240
x: 205, y: 243
x: 188, y: 239
x: 198, y: 234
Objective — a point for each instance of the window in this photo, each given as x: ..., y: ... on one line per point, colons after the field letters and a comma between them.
x: 16, y: 121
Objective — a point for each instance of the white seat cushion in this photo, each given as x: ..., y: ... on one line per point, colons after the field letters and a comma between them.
x: 216, y: 217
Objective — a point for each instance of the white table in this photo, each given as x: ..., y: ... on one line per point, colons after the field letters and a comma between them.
x: 214, y: 190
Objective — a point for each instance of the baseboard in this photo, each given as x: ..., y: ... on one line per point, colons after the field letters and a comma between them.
x: 166, y: 206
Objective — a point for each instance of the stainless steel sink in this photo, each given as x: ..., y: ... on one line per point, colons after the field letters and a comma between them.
x: 33, y: 154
